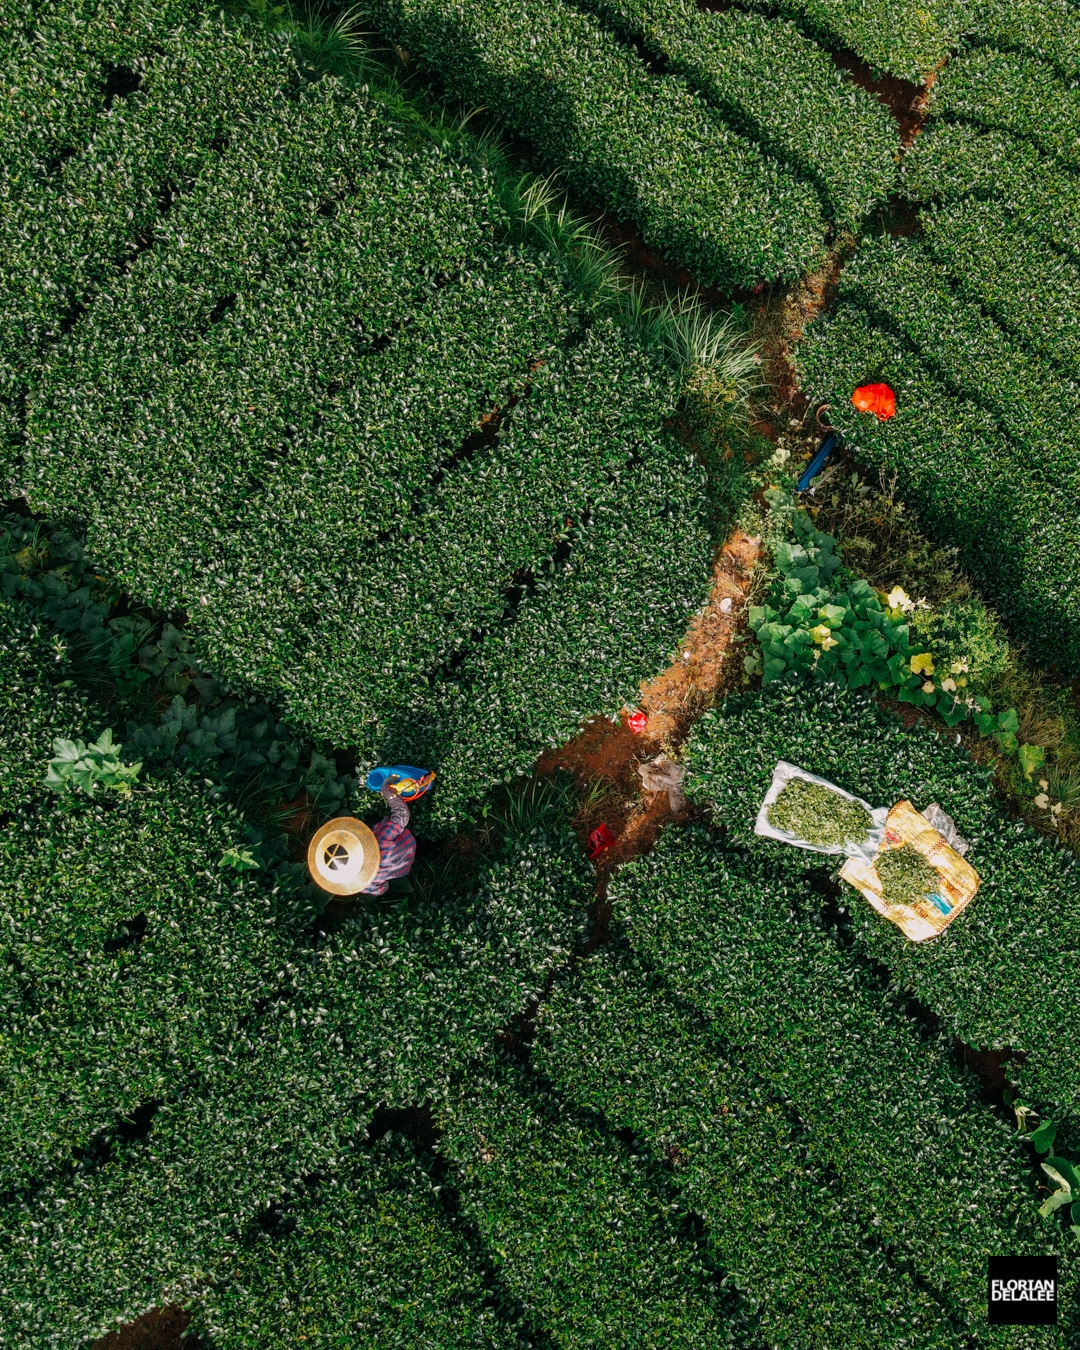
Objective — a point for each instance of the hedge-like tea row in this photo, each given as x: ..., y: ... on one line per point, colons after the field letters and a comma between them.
x: 642, y: 146
x: 391, y: 1006
x: 1047, y: 29
x: 909, y: 41
x: 367, y: 1257
x: 901, y: 1131
x: 1002, y: 975
x: 274, y: 464
x: 978, y: 441
x: 777, y: 88
x: 603, y: 616
x: 903, y: 287
x: 952, y: 160
x: 803, y: 1250
x: 1033, y: 292
x: 577, y: 1224
x: 1015, y: 93
x: 69, y: 232
x: 112, y: 992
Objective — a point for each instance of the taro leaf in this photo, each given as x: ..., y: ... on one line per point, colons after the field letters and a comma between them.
x: 1008, y: 721
x: 1064, y: 1195
x: 1043, y: 1137
x: 1065, y: 1171
x: 1032, y: 757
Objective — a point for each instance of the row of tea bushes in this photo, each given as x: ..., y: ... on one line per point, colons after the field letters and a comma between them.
x: 73, y: 225
x: 805, y: 1255
x: 1046, y: 29
x: 909, y: 42
x: 777, y: 88
x: 951, y: 161
x: 112, y: 992
x: 1030, y: 290
x: 977, y: 440
x: 317, y: 422
x: 894, y: 1127
x: 1002, y: 975
x: 1015, y: 93
x: 644, y: 147
x: 369, y: 1255
x: 185, y: 1092
x: 578, y: 1223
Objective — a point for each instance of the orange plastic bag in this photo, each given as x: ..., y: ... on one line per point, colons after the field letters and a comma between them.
x: 875, y: 398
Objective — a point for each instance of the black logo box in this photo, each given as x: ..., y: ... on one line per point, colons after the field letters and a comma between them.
x: 1021, y: 1291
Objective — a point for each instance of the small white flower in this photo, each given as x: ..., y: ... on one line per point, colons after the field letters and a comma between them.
x: 949, y: 685
x: 1042, y: 801
x: 1044, y: 784
x: 928, y: 687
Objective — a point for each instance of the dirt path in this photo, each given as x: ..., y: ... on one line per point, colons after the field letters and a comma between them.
x: 606, y: 755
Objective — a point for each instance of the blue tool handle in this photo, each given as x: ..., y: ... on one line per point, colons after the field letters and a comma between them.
x: 828, y: 445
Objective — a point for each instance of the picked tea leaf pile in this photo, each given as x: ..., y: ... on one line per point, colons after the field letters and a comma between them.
x: 905, y: 875
x: 821, y: 817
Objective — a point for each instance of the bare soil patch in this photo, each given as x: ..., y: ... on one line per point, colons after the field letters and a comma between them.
x: 160, y: 1329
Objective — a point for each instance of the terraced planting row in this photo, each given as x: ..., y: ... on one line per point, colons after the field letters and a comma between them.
x: 331, y: 392
x: 974, y: 324
x: 382, y: 463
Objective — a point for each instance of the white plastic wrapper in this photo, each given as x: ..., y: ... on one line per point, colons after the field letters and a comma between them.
x: 782, y: 776
x: 934, y: 815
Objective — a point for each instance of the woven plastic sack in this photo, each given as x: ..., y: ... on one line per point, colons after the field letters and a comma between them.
x: 782, y: 776
x: 957, y: 880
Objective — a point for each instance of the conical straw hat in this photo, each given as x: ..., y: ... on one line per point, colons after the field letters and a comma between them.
x: 343, y: 856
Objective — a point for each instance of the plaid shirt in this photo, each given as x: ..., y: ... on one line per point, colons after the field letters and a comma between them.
x: 397, y: 847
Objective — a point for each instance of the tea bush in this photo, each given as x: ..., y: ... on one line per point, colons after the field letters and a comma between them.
x: 1002, y: 974
x: 369, y: 1255
x: 777, y: 88
x: 1031, y: 291
x: 1016, y: 93
x: 977, y: 441
x: 805, y: 1244
x: 955, y: 160
x: 642, y: 146
x: 577, y: 1223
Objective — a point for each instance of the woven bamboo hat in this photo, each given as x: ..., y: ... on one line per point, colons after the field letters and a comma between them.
x: 343, y: 856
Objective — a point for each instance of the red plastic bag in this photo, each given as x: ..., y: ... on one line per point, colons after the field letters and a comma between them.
x: 637, y: 722
x: 875, y: 398
x: 600, y: 839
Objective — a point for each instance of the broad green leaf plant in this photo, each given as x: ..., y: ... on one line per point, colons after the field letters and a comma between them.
x: 76, y: 765
x: 823, y: 621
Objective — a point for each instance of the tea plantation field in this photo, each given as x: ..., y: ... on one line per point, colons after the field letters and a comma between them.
x: 331, y: 437
x: 975, y: 318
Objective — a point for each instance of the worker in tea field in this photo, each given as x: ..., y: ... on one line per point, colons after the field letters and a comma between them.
x: 397, y: 846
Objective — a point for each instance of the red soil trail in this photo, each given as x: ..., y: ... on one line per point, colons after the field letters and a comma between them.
x: 159, y: 1329
x: 606, y: 754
